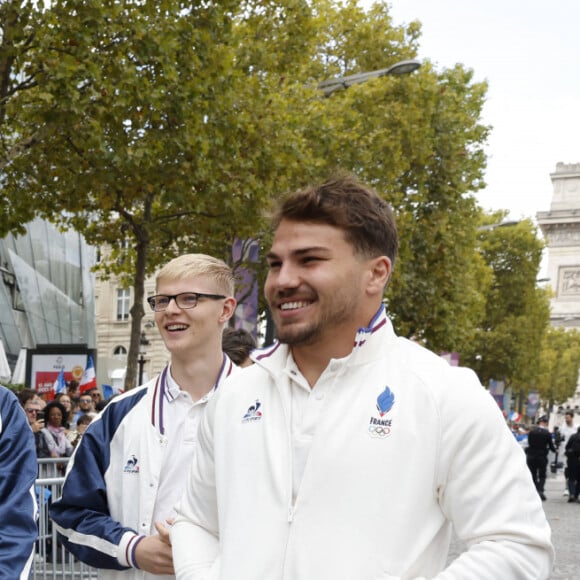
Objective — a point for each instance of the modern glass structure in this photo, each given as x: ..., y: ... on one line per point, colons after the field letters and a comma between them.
x: 46, y: 289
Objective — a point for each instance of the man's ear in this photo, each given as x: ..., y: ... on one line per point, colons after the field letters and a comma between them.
x: 229, y: 309
x: 379, y: 274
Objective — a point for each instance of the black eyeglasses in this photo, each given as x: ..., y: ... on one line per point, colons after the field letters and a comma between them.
x: 185, y: 300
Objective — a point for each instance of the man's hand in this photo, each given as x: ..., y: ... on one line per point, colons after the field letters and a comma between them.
x: 164, y: 532
x: 153, y: 553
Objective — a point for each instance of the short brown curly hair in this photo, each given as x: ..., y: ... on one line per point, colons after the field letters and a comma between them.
x: 343, y: 201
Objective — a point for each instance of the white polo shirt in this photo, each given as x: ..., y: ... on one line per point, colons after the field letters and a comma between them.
x: 181, y: 416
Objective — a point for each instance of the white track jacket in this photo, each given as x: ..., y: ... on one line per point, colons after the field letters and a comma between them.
x: 405, y: 447
x: 110, y: 491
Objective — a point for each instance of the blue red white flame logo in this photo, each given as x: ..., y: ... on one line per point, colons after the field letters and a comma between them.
x: 385, y: 401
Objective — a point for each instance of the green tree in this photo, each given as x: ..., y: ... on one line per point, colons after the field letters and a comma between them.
x: 559, y: 365
x: 168, y: 127
x: 157, y: 134
x: 18, y: 21
x: 508, y: 343
x: 418, y: 139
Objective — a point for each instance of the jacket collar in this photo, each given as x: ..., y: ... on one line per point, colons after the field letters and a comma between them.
x: 162, y: 391
x: 370, y: 342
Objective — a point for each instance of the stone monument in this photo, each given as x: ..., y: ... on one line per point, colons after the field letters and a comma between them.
x: 561, y: 229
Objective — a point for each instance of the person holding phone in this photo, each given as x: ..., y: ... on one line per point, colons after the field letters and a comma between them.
x: 33, y: 408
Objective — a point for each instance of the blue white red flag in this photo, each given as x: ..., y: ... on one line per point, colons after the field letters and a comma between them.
x: 109, y: 391
x: 59, y: 385
x: 89, y: 380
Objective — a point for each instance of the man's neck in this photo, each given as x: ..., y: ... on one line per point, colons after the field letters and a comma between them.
x: 197, y: 376
x: 313, y: 359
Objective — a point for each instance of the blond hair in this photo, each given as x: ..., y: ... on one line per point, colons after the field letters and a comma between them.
x: 192, y: 265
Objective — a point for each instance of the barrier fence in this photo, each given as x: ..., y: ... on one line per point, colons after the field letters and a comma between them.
x: 51, y: 559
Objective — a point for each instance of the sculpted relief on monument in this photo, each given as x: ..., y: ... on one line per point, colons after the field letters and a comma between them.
x: 569, y: 281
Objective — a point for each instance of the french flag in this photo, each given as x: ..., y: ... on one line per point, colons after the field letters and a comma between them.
x: 89, y: 380
x: 59, y: 385
x: 110, y: 391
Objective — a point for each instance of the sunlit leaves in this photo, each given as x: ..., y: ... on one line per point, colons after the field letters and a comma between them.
x: 172, y: 125
x: 509, y: 340
x: 559, y: 364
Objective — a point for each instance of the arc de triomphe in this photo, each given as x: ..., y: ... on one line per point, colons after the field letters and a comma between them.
x: 561, y: 228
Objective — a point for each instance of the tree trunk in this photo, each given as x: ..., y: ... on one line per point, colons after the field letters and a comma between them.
x: 137, y: 311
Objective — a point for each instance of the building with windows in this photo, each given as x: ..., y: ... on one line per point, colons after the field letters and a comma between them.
x: 46, y: 290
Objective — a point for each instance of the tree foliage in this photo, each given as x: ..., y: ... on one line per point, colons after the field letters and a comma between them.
x: 19, y: 21
x: 508, y: 342
x: 158, y: 127
x: 559, y: 365
x: 157, y: 133
x: 418, y: 139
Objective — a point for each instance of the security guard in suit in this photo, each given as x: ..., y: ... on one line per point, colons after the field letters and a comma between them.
x: 539, y: 443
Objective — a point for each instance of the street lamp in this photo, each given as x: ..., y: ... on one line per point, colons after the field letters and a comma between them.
x: 143, y: 342
x: 399, y: 68
x: 505, y: 224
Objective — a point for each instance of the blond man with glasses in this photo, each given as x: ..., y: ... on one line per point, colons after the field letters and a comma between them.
x: 129, y: 468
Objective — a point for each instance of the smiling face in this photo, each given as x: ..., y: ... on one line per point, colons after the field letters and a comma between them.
x: 319, y: 290
x: 187, y: 331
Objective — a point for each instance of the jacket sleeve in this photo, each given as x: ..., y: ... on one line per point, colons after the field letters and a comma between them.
x: 196, y: 523
x: 486, y: 490
x: 551, y: 444
x: 82, y: 514
x: 18, y: 470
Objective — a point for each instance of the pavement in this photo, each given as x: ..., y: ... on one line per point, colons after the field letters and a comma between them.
x: 564, y: 519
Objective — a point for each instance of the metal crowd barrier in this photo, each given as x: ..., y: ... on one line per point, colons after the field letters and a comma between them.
x: 51, y: 559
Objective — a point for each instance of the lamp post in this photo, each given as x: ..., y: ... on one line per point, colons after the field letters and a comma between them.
x: 505, y: 224
x: 143, y: 342
x: 399, y: 68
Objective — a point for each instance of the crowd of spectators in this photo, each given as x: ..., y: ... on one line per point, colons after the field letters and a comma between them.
x: 58, y: 424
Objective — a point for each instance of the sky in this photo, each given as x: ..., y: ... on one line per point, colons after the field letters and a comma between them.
x: 529, y: 53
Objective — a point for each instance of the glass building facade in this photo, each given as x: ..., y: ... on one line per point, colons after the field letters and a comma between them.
x: 46, y: 289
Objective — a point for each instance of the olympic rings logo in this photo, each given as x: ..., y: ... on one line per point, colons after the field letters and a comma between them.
x: 379, y: 431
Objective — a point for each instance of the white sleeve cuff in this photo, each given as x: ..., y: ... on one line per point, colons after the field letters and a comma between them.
x: 127, y: 547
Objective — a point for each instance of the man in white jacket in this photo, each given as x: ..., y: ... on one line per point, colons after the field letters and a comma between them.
x: 346, y: 452
x: 129, y: 468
